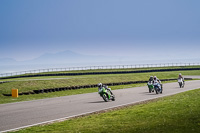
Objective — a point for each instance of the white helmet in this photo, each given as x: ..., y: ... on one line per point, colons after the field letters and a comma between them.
x: 155, y: 77
x: 180, y: 74
x: 99, y: 84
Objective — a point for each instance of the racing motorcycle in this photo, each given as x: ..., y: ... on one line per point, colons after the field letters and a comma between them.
x: 180, y: 82
x: 106, y: 94
x: 157, y: 87
x: 150, y: 86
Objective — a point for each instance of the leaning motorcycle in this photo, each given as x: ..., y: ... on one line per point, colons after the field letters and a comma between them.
x: 157, y: 87
x: 180, y: 82
x: 106, y: 95
x: 150, y: 86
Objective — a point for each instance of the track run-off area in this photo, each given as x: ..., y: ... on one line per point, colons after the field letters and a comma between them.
x: 18, y: 115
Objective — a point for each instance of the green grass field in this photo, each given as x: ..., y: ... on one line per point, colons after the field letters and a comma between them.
x: 32, y: 84
x: 179, y: 113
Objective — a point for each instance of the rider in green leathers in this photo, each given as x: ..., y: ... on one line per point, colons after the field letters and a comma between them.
x: 100, y: 85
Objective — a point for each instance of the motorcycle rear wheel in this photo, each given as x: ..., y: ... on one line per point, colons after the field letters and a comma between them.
x: 113, y: 98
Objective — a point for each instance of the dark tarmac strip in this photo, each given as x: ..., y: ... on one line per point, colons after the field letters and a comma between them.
x: 29, y: 113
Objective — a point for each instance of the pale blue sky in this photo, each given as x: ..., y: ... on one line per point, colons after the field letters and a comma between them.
x: 30, y: 28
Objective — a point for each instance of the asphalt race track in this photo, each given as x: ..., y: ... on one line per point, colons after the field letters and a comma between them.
x: 23, y: 114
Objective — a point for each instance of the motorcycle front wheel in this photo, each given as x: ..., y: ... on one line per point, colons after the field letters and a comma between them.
x: 180, y: 84
x: 156, y: 90
x: 150, y: 90
x: 105, y: 98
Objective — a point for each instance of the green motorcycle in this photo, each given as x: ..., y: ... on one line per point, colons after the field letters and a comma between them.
x: 150, y: 86
x: 106, y: 95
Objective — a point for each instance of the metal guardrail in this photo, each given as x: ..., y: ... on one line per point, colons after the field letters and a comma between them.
x: 97, y: 68
x: 98, y: 73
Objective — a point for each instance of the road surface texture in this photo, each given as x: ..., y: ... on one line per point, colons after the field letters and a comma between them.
x: 24, y: 114
x: 193, y: 77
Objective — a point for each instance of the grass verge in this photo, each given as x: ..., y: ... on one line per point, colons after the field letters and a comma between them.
x: 24, y: 86
x: 173, y: 114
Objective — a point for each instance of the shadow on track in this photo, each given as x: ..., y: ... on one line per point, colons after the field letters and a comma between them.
x: 97, y: 102
x: 147, y: 93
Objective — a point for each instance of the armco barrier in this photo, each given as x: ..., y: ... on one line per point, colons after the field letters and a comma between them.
x: 99, y: 73
x: 84, y: 86
x: 100, y: 68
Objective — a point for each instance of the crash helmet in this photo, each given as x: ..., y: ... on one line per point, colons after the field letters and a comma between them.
x: 154, y: 77
x: 99, y: 84
x: 179, y: 74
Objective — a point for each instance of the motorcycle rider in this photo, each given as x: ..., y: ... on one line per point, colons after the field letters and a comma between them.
x: 181, y: 77
x: 150, y: 82
x: 151, y: 79
x: 155, y: 79
x: 100, y: 85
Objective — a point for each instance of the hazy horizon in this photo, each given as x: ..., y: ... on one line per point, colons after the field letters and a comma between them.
x: 28, y: 67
